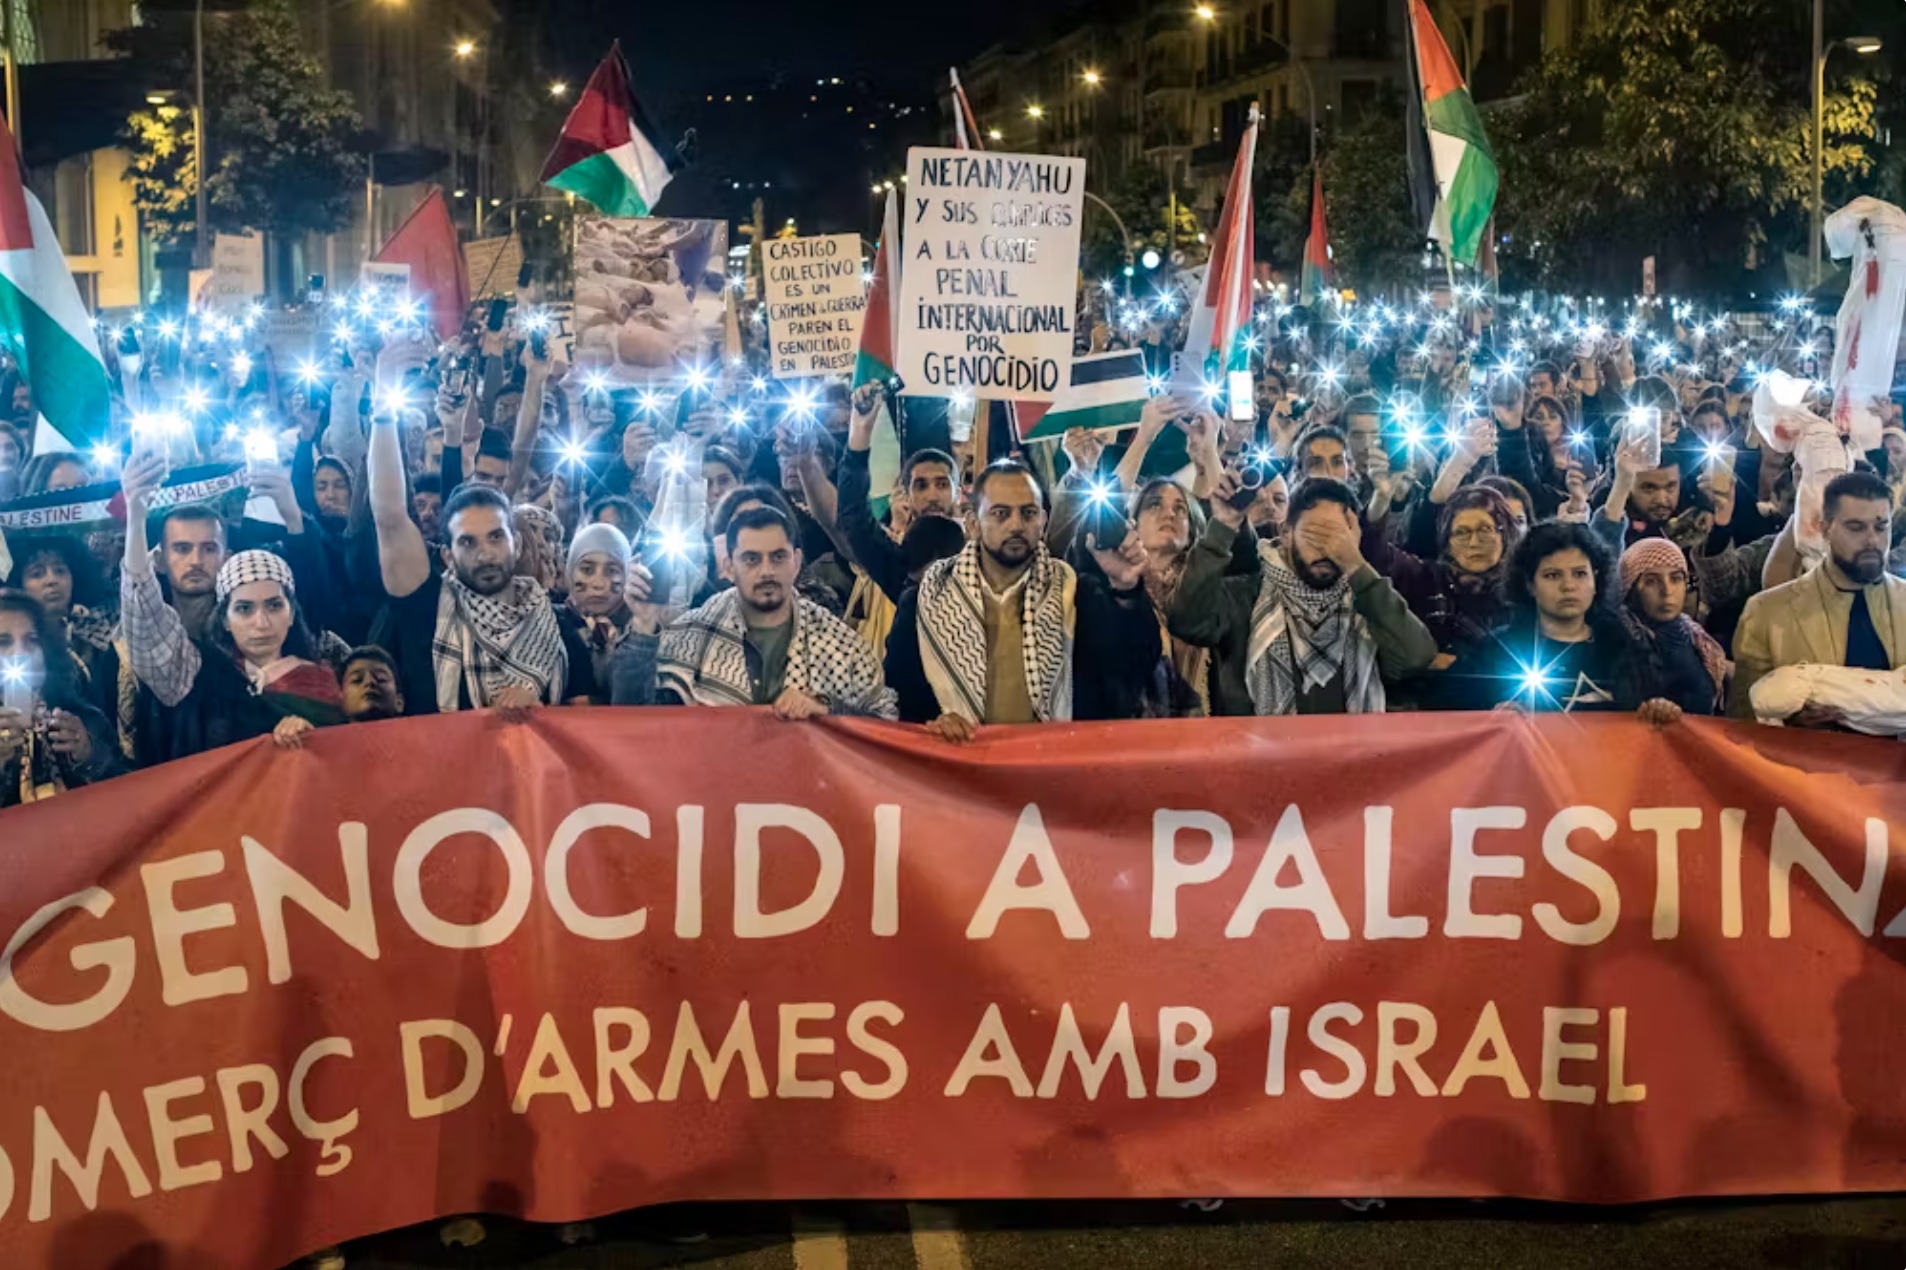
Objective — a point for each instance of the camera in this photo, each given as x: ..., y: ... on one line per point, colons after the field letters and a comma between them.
x: 1258, y: 470
x: 1105, y: 517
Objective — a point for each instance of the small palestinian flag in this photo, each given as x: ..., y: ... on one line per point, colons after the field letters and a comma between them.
x: 1459, y: 156
x: 1106, y: 390
x: 879, y: 342
x: 1318, y: 273
x: 609, y: 153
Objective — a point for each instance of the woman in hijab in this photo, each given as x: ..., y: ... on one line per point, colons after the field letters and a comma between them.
x: 596, y: 610
x: 1676, y: 660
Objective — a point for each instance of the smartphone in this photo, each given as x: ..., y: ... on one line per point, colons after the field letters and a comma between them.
x: 499, y: 308
x: 1720, y: 468
x: 1641, y: 431
x: 314, y: 289
x: 16, y: 690
x: 539, y: 341
x: 1105, y: 520
x: 128, y: 342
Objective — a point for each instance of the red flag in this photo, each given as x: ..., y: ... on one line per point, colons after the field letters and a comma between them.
x: 427, y: 242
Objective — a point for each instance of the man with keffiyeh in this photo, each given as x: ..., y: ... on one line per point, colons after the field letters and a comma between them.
x: 1005, y: 633
x: 477, y: 635
x: 1317, y: 632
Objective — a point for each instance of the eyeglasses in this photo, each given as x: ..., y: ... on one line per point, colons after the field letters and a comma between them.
x: 1486, y: 533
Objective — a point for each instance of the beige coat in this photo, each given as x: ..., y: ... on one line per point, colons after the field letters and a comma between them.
x: 1805, y: 621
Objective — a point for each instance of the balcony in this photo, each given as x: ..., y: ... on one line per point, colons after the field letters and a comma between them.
x: 1261, y: 57
x: 1168, y: 80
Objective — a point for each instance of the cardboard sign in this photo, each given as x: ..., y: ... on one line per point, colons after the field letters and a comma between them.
x: 816, y: 301
x: 492, y: 264
x: 650, y: 296
x: 989, y: 273
x: 238, y: 270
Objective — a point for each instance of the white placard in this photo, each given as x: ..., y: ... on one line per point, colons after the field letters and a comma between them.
x: 238, y: 270
x: 989, y: 273
x: 491, y: 265
x: 815, y: 304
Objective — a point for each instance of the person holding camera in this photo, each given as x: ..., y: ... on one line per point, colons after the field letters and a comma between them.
x: 1318, y: 631
x: 51, y: 738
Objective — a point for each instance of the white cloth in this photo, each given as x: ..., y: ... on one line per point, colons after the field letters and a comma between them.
x: 1866, y: 333
x: 1873, y: 701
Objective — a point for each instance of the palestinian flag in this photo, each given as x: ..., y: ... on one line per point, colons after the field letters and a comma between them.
x: 1220, y: 317
x: 609, y: 154
x: 42, y: 318
x: 879, y: 342
x: 1459, y: 157
x: 1105, y: 390
x: 92, y: 508
x: 1318, y: 275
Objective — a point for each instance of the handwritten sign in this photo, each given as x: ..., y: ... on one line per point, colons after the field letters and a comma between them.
x: 492, y: 264
x: 815, y: 303
x: 238, y: 270
x: 989, y: 269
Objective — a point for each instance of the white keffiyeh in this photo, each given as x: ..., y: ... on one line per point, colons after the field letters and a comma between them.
x: 486, y: 643
x: 703, y: 659
x: 1302, y: 638
x: 952, y: 625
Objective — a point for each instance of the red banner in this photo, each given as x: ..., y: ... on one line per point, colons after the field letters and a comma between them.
x: 257, y: 1002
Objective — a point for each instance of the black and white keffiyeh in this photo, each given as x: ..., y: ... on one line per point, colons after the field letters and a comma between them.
x: 486, y: 643
x: 703, y: 659
x: 952, y: 624
x: 1302, y: 638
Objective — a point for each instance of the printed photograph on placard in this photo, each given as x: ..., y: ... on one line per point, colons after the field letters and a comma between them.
x: 649, y: 295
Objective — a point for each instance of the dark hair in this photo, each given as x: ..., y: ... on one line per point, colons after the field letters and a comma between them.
x: 1550, y: 369
x: 60, y: 686
x: 495, y: 444
x: 328, y: 461
x: 1361, y: 404
x: 369, y: 652
x: 757, y: 518
x: 1553, y: 404
x: 726, y: 458
x: 427, y: 483
x: 1006, y: 467
x: 1653, y: 390
x: 1321, y: 489
x: 1864, y: 486
x: 185, y: 513
x: 1512, y: 489
x: 1316, y: 432
x: 632, y: 517
x: 732, y: 502
x: 299, y: 641
x: 1507, y: 388
x: 1148, y: 491
x: 472, y: 495
x: 40, y: 468
x: 1545, y: 539
x: 929, y: 455
x: 89, y: 582
x: 931, y: 538
x: 1470, y: 498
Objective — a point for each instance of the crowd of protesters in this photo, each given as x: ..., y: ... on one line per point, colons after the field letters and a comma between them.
x: 1445, y: 508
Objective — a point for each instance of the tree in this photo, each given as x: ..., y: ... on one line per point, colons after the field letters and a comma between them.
x: 282, y: 149
x: 1375, y: 241
x: 1678, y: 129
x: 1142, y: 199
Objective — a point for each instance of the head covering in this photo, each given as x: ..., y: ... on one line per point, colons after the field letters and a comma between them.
x: 253, y: 566
x: 1649, y: 553
x: 1893, y: 432
x: 599, y: 537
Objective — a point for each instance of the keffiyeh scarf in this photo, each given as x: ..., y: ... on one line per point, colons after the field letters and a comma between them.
x: 952, y: 623
x: 1302, y: 638
x: 704, y: 659
x: 486, y: 643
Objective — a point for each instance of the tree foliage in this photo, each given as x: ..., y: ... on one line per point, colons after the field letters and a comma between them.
x: 1375, y: 241
x: 282, y: 149
x: 1142, y: 199
x: 1678, y: 129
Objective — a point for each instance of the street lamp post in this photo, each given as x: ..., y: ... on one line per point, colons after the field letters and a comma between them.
x: 1865, y: 45
x: 201, y: 246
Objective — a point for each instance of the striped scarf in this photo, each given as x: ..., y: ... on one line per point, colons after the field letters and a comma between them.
x: 704, y: 659
x: 1303, y: 638
x: 486, y: 643
x: 952, y: 623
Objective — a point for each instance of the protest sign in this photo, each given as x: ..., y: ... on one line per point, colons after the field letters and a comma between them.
x: 292, y: 335
x: 988, y: 273
x: 492, y: 265
x: 259, y: 1001
x: 238, y: 270
x: 816, y: 300
x: 649, y: 295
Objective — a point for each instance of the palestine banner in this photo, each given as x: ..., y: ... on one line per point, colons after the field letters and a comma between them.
x: 261, y: 1001
x: 91, y: 508
x: 1104, y: 390
x: 609, y: 153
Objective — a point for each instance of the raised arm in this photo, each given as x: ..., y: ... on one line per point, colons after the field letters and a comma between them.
x: 162, y: 656
x: 402, y: 556
x: 529, y: 419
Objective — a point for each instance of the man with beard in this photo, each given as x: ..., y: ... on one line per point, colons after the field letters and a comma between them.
x: 1846, y: 611
x: 475, y: 635
x: 930, y: 479
x: 370, y: 686
x: 1317, y: 632
x: 1002, y: 632
x: 756, y: 643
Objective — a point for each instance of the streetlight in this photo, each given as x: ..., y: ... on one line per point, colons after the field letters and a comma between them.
x: 1205, y: 13
x: 1865, y: 46
x: 558, y: 89
x: 465, y: 49
x: 994, y: 134
x: 1035, y: 111
x: 1092, y: 78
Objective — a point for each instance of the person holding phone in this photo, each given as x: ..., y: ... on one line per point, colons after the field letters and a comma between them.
x: 51, y: 738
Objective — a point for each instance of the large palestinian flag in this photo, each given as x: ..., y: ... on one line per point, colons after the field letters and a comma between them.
x: 1458, y: 156
x: 609, y: 154
x: 1318, y: 275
